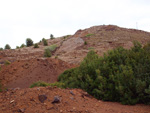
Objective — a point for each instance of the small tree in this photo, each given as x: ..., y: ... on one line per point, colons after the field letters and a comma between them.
x: 7, y: 46
x: 29, y: 42
x: 51, y: 36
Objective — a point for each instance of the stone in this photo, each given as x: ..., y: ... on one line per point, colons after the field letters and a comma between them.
x: 42, y: 98
x: 56, y: 99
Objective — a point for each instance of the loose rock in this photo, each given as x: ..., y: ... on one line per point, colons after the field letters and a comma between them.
x: 56, y: 99
x: 42, y: 98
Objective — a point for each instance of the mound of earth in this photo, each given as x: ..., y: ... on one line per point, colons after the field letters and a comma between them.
x: 23, y: 73
x: 55, y: 100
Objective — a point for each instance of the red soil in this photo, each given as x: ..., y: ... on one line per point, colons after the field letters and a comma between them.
x: 24, y: 72
x: 71, y: 101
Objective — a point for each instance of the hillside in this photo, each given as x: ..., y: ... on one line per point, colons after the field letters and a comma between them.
x: 29, y: 65
x: 73, y: 49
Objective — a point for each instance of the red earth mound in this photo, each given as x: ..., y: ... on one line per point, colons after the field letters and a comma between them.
x: 55, y: 100
x: 24, y: 72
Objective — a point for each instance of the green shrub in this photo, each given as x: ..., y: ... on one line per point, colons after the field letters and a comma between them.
x: 120, y: 75
x: 7, y: 46
x: 7, y: 62
x: 36, y: 45
x: 17, y: 47
x: 52, y: 47
x: 39, y: 84
x: 85, y: 43
x: 1, y: 49
x: 44, y: 42
x: 47, y: 53
x: 22, y: 45
x: 88, y: 35
x: 29, y: 42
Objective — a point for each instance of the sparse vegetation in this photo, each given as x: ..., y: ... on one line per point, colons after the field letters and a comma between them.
x: 44, y: 84
x: 88, y: 35
x: 7, y: 62
x: 36, y: 45
x: 120, y: 75
x: 29, y: 42
x: 44, y: 42
x: 91, y: 48
x: 7, y: 46
x: 52, y: 47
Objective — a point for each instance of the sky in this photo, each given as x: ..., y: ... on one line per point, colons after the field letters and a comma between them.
x: 37, y: 19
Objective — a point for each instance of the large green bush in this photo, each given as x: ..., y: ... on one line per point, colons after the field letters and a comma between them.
x: 29, y: 42
x: 120, y: 75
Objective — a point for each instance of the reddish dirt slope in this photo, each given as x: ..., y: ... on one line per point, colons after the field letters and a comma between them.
x: 39, y: 100
x: 24, y: 72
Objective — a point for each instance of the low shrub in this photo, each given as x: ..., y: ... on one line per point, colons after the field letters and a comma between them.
x: 1, y: 49
x: 47, y: 53
x: 44, y: 42
x: 22, y: 45
x: 48, y: 50
x: 17, y: 47
x: 44, y: 84
x: 36, y: 45
x: 85, y: 43
x: 39, y: 84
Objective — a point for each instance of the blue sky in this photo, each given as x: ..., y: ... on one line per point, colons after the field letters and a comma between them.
x: 37, y: 19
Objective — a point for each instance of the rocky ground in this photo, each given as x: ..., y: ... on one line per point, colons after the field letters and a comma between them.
x: 55, y: 100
